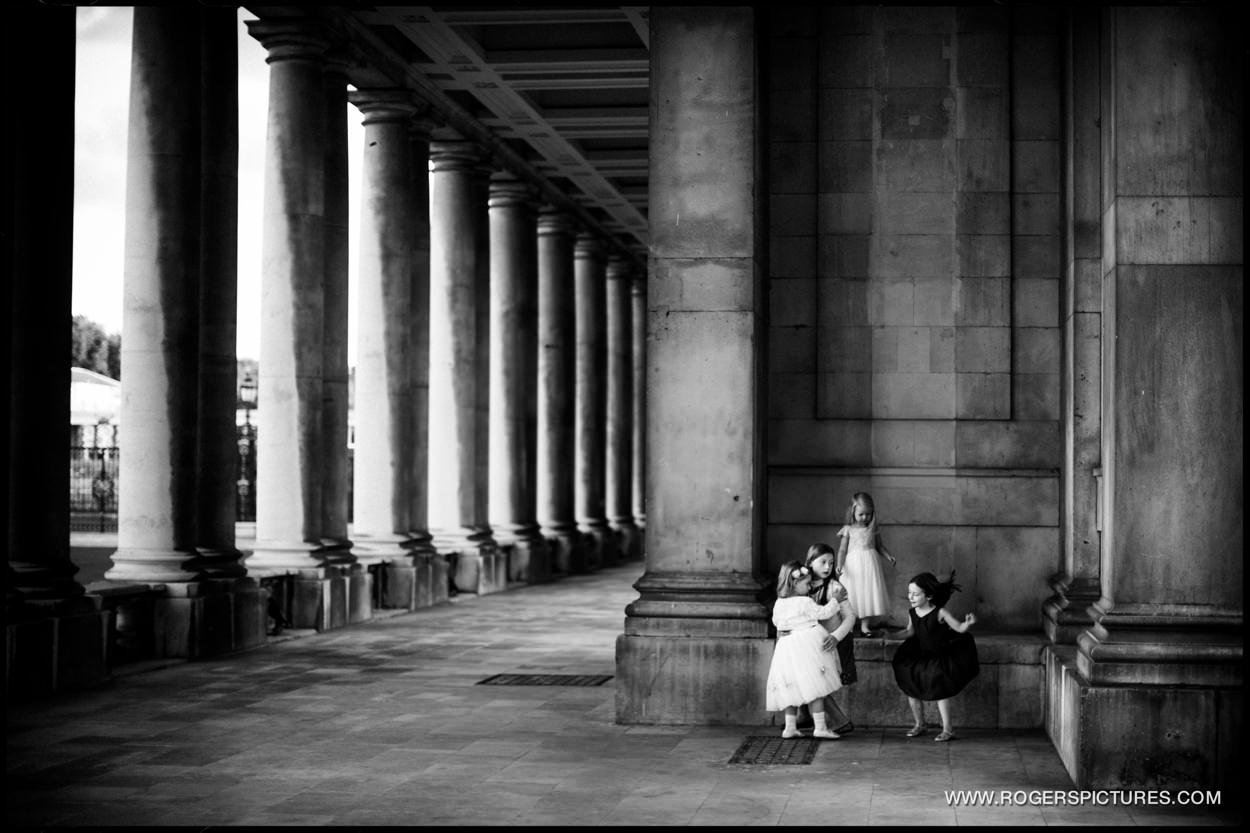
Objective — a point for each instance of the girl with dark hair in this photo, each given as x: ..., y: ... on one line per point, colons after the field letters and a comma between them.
x: 938, y: 657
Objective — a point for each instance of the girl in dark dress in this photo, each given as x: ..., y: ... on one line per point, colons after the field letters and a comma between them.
x: 938, y: 657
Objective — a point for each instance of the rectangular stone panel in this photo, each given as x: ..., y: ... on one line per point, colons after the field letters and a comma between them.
x: 826, y: 442
x: 916, y: 113
x: 915, y: 19
x: 913, y: 395
x: 845, y: 166
x: 915, y: 213
x: 791, y: 116
x: 792, y: 167
x: 1035, y: 167
x: 891, y: 302
x: 845, y: 213
x: 1088, y: 285
x: 913, y: 349
x: 1035, y: 113
x: 983, y: 350
x: 983, y: 395
x: 844, y: 396
x: 842, y: 302
x: 981, y: 113
x: 1009, y: 444
x: 792, y: 256
x: 847, y: 60
x: 983, y: 302
x: 913, y: 256
x: 983, y: 212
x: 982, y: 58
x: 942, y: 349
x: 934, y: 302
x: 915, y: 165
x: 845, y: 114
x: 1173, y: 230
x: 1036, y: 256
x: 916, y: 60
x: 1035, y: 213
x: 846, y: 349
x: 792, y: 213
x: 904, y: 442
x: 844, y: 255
x: 791, y: 301
x: 984, y: 255
x: 1035, y: 302
x: 1036, y: 349
x: 792, y: 349
x: 983, y: 165
x: 1011, y: 501
x: 792, y: 63
x: 791, y: 395
x: 935, y: 443
x: 884, y: 355
x: 1014, y: 566
x: 1035, y: 396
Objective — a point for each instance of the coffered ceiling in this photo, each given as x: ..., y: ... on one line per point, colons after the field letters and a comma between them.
x: 558, y: 94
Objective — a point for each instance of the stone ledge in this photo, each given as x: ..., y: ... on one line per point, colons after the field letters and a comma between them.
x: 992, y: 648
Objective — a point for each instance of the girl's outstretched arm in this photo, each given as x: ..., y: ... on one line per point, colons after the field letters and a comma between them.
x: 880, y: 547
x: 955, y: 624
x: 840, y: 560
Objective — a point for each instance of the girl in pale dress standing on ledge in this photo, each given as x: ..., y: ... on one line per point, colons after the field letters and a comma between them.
x: 859, y: 563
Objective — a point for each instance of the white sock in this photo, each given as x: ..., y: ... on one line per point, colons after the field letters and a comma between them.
x: 819, y: 718
x: 792, y: 726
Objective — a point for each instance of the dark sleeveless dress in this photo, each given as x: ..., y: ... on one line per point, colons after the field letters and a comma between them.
x: 935, y: 662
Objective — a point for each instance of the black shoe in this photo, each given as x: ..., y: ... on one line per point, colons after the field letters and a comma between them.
x: 845, y: 729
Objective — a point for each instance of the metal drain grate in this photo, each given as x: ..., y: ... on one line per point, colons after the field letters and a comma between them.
x: 770, y: 749
x: 546, y: 679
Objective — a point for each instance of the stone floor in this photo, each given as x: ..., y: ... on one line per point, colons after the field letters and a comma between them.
x: 383, y: 724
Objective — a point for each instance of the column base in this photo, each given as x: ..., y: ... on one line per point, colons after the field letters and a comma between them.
x: 214, y: 563
x: 1127, y: 647
x: 207, y: 618
x: 270, y: 557
x: 629, y: 539
x: 477, y: 564
x: 325, y: 599
x: 1142, y: 736
x: 419, y: 581
x: 65, y: 649
x: 529, y: 559
x: 599, y: 548
x: 565, y: 545
x: 153, y: 565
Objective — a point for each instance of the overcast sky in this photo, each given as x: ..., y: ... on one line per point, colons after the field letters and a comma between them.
x: 101, y: 106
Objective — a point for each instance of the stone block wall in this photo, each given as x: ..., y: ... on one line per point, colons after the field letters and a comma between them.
x: 914, y: 346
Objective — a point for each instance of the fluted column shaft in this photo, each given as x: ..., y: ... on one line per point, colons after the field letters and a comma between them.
x: 618, y: 463
x: 556, y: 377
x: 638, y: 346
x: 418, y: 454
x: 514, y: 373
x: 216, y: 466
x: 292, y: 360
x: 457, y: 509
x: 335, y: 313
x: 160, y: 330
x: 590, y: 395
x: 384, y: 420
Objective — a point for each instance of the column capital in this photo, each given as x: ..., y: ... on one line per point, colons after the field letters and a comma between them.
x: 456, y: 155
x: 424, y: 122
x: 507, y: 190
x: 619, y: 267
x: 588, y: 246
x: 289, y: 39
x: 339, y: 60
x: 552, y: 220
x: 393, y: 104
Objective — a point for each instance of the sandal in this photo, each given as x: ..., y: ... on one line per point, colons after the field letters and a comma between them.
x: 944, y: 737
x: 916, y: 731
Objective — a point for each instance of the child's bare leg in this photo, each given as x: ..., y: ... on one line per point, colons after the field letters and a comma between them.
x: 917, y: 713
x: 821, y: 729
x: 944, y: 709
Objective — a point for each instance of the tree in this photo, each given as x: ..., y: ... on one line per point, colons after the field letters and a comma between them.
x: 94, y: 349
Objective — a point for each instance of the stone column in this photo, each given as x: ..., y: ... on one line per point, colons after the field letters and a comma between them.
x: 217, y: 467
x: 457, y: 514
x: 695, y: 647
x: 55, y: 638
x: 514, y: 377
x: 1156, y: 700
x: 384, y: 419
x: 638, y: 449
x: 291, y: 391
x: 1076, y: 586
x: 335, y: 472
x: 618, y: 462
x: 556, y: 364
x: 590, y: 396
x: 157, y: 504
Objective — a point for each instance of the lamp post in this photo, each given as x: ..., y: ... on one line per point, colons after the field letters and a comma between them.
x: 247, y: 443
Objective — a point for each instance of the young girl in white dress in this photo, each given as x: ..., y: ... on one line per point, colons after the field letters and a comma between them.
x: 859, y: 563
x: 802, y: 671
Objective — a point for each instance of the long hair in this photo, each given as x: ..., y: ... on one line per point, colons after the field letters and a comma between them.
x: 820, y: 586
x: 785, y: 578
x: 865, y: 500
x: 939, y: 592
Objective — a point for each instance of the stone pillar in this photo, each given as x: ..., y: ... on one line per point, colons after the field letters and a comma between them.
x: 638, y: 448
x: 1155, y: 698
x: 157, y: 504
x: 514, y: 378
x: 695, y: 647
x: 291, y: 391
x: 556, y: 364
x: 590, y: 396
x: 618, y: 462
x: 457, y: 511
x: 335, y: 472
x: 1076, y: 586
x: 384, y: 419
x: 217, y: 467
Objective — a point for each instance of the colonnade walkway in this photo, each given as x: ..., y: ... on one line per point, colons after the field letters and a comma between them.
x: 386, y: 723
